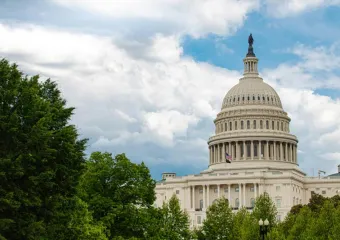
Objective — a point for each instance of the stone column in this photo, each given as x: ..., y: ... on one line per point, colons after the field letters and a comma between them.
x: 274, y: 149
x: 244, y: 195
x: 229, y: 197
x: 290, y: 152
x: 267, y: 150
x: 210, y: 153
x: 238, y: 152
x: 281, y: 152
x: 223, y: 152
x: 244, y: 150
x: 252, y: 149
x: 208, y: 195
x: 229, y: 147
x: 255, y: 191
x: 218, y: 191
x: 214, y: 153
x: 203, y: 197
x: 193, y: 197
x: 296, y: 154
x: 239, y: 195
x: 259, y: 150
x: 286, y: 157
x: 232, y: 151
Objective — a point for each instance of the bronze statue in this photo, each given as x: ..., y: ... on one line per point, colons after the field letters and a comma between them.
x: 250, y: 40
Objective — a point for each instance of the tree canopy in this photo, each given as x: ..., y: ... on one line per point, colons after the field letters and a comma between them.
x: 41, y: 157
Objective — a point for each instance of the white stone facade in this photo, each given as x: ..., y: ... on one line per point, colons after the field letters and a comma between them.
x: 253, y: 128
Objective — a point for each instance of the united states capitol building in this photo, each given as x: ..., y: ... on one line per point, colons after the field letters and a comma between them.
x: 253, y: 128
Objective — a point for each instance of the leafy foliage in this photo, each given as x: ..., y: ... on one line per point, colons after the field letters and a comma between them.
x: 119, y: 193
x: 41, y: 158
x: 175, y: 222
x: 265, y: 209
x: 218, y: 224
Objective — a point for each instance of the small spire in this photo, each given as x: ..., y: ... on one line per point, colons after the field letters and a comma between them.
x: 250, y: 47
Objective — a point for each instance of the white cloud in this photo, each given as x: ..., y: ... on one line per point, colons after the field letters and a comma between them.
x: 150, y: 106
x: 194, y: 17
x: 280, y: 9
x: 121, y: 100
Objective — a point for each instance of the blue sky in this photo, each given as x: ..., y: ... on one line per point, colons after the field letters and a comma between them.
x: 148, y: 77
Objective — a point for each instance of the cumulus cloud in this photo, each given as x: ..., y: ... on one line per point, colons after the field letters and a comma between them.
x: 194, y: 17
x: 315, y: 118
x: 122, y: 102
x: 280, y: 9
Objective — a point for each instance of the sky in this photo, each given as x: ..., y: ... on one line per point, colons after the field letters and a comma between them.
x: 147, y: 77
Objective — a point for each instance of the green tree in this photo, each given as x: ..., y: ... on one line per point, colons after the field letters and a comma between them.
x: 316, y: 202
x: 175, y: 222
x: 265, y: 209
x: 244, y: 226
x: 119, y: 193
x: 302, y: 222
x: 218, y: 223
x: 41, y: 157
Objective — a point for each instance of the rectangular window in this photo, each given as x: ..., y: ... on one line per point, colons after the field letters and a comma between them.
x: 215, y: 190
x: 278, y: 218
x: 199, y: 219
x: 278, y: 188
x: 278, y: 203
x: 226, y: 189
x: 237, y: 189
x: 323, y: 192
x: 235, y: 125
x: 177, y: 191
x: 201, y: 190
x: 252, y: 189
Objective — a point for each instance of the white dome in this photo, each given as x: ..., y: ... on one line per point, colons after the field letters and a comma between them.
x: 251, y: 91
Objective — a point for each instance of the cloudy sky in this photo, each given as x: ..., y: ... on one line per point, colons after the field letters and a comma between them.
x: 147, y: 77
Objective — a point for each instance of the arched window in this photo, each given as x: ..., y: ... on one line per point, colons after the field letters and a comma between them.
x: 278, y: 125
x: 242, y: 127
x: 235, y: 125
x: 273, y: 125
x: 248, y: 124
x: 230, y: 126
x: 234, y: 99
x: 201, y: 203
x: 267, y: 124
x: 258, y: 98
x: 281, y: 126
x: 225, y: 127
x: 237, y: 203
x: 248, y: 98
x: 243, y: 99
x: 261, y: 124
x: 254, y: 124
x: 252, y: 202
x: 253, y: 98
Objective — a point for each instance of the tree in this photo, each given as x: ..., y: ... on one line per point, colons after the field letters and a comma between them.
x: 316, y: 202
x: 244, y: 226
x: 265, y: 209
x: 218, y: 223
x: 41, y: 157
x: 175, y: 222
x: 299, y: 226
x: 119, y: 193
